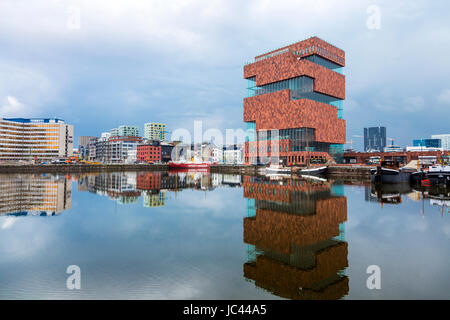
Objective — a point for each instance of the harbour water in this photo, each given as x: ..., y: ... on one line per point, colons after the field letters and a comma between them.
x: 194, y: 235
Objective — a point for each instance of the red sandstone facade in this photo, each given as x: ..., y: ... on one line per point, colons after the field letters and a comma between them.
x: 271, y: 104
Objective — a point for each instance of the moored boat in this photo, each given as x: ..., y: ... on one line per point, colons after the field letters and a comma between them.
x: 277, y: 170
x: 313, y: 171
x: 389, y: 172
x: 189, y: 165
x: 433, y: 175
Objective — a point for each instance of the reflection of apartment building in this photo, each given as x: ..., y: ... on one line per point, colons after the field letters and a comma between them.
x: 120, y: 186
x: 34, y: 195
x: 41, y: 139
x: 295, y: 236
x: 154, y: 199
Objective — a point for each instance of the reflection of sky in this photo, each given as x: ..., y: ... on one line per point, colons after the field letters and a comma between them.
x: 411, y: 249
x: 190, y: 248
x: 193, y: 248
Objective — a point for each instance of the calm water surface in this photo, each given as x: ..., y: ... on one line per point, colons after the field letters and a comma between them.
x: 212, y: 236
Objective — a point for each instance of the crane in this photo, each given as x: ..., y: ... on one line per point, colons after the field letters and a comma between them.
x: 392, y: 141
x: 351, y: 140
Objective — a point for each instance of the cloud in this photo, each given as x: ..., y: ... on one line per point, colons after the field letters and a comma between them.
x: 444, y: 97
x: 414, y: 104
x: 12, y: 107
x: 8, y: 223
x: 133, y: 62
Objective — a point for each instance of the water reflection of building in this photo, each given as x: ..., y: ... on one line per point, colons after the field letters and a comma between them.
x: 34, y: 195
x: 127, y: 187
x: 120, y: 186
x: 294, y: 231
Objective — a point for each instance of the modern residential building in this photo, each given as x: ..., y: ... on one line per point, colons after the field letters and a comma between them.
x: 155, y: 131
x: 118, y: 148
x: 125, y: 131
x: 294, y: 104
x: 374, y: 139
x: 149, y: 152
x: 113, y: 149
x: 445, y: 140
x: 114, y: 132
x: 233, y: 154
x: 37, y: 139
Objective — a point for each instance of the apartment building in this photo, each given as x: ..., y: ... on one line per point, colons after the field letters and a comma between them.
x: 35, y: 139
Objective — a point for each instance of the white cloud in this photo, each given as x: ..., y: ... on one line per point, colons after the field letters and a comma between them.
x: 444, y: 97
x: 8, y: 223
x: 12, y: 107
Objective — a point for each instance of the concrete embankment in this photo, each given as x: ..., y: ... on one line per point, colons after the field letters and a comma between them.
x: 80, y: 168
x: 349, y: 172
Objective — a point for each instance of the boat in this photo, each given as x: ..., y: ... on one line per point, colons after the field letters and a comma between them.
x: 433, y: 175
x: 183, y: 165
x: 390, y: 172
x: 439, y: 175
x: 313, y: 171
x: 273, y: 169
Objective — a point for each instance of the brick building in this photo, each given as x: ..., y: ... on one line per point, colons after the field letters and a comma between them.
x: 149, y: 152
x: 294, y: 104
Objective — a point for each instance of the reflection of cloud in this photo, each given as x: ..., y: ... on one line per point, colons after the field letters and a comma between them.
x: 8, y: 222
x: 446, y: 230
x: 27, y: 239
x: 444, y: 97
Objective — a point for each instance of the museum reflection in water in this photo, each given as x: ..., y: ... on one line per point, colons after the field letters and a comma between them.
x: 295, y: 236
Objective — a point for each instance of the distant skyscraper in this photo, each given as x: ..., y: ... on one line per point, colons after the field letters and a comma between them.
x: 374, y: 138
x: 155, y: 131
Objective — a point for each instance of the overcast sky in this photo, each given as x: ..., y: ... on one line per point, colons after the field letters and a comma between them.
x: 100, y: 64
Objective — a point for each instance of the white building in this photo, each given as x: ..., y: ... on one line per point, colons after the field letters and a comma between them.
x: 131, y: 156
x: 217, y: 155
x: 445, y: 140
x: 233, y: 156
x: 42, y: 139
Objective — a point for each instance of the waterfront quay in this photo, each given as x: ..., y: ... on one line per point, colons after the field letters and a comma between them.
x: 343, y: 172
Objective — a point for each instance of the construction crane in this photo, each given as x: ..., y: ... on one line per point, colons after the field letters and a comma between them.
x: 392, y: 141
x: 351, y: 140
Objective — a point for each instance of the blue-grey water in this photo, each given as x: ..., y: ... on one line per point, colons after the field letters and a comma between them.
x: 155, y: 235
